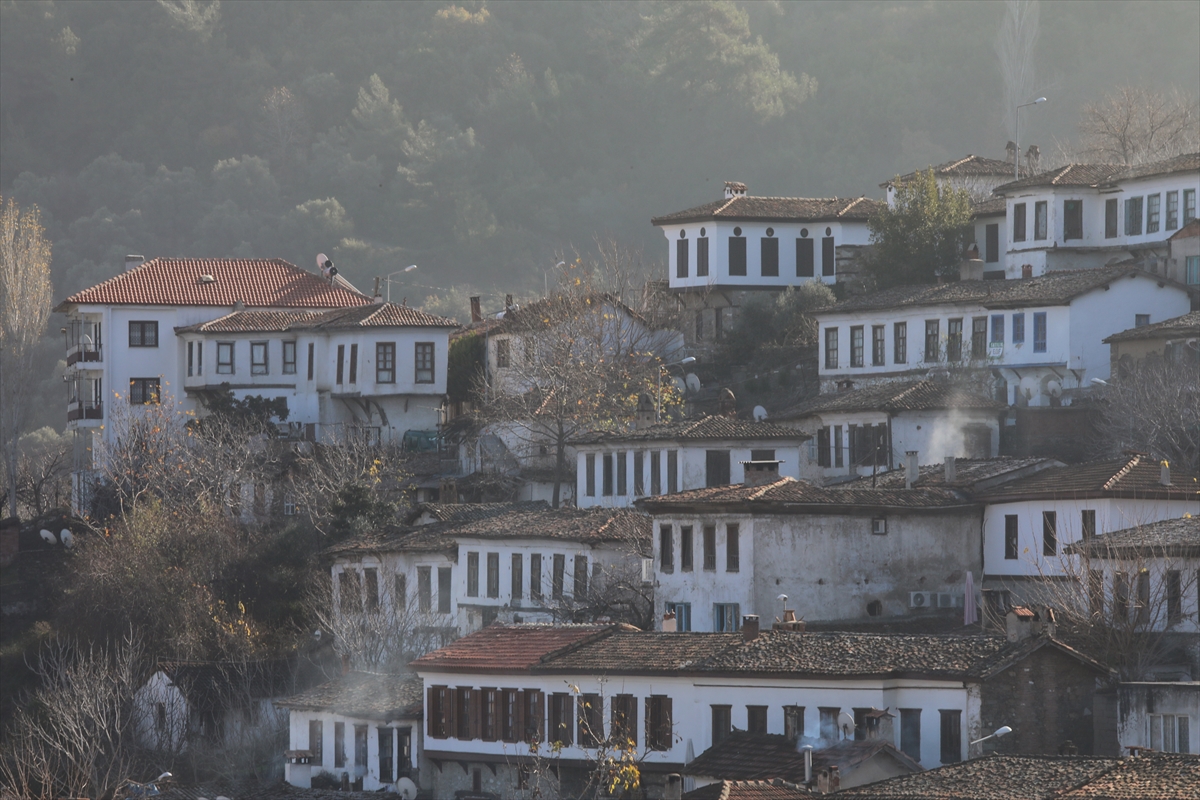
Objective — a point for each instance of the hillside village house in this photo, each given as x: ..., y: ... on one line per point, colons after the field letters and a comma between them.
x: 673, y: 694
x: 615, y: 469
x: 1175, y: 341
x: 1160, y: 716
x: 1041, y: 338
x: 1087, y: 215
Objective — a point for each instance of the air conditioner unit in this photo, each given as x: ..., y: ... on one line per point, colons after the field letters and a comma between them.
x: 647, y: 570
x: 922, y: 599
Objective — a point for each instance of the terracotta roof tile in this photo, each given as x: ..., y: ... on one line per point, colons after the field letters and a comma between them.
x: 970, y: 166
x: 1188, y: 325
x: 796, y: 209
x: 745, y: 756
x: 1136, y: 476
x: 1167, y: 538
x: 788, y: 495
x: 1189, y: 231
x: 749, y: 790
x: 382, y: 315
x: 509, y: 648
x: 990, y: 207
x: 893, y: 396
x: 644, y: 651
x: 462, y: 512
x: 367, y: 695
x: 969, y: 473
x: 993, y: 777
x: 704, y: 428
x: 1103, y: 174
x: 1153, y: 776
x: 256, y: 282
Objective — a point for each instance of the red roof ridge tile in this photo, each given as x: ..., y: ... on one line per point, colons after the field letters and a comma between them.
x: 1122, y: 472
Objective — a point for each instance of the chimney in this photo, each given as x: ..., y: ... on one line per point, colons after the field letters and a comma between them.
x: 674, y: 788
x: 508, y: 303
x: 760, y: 473
x: 448, y: 491
x: 668, y: 623
x: 790, y: 623
x: 1049, y: 622
x: 377, y: 298
x: 1164, y: 475
x: 749, y: 627
x: 734, y: 189
x: 971, y: 269
x: 476, y: 312
x: 950, y: 471
x: 133, y: 262
x: 808, y: 751
x: 1027, y: 270
x: 644, y: 416
x: 911, y: 470
x: 1019, y: 623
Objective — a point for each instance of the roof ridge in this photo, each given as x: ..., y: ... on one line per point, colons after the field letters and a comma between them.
x: 726, y: 204
x: 762, y: 490
x: 1122, y: 472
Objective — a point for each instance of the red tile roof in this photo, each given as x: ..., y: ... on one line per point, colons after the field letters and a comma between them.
x: 382, y: 315
x: 971, y: 166
x: 704, y: 428
x: 1133, y: 476
x: 1153, y: 776
x: 509, y: 648
x: 788, y: 496
x: 255, y: 282
x: 745, y: 756
x: 1094, y: 175
x: 749, y: 790
x: 777, y: 209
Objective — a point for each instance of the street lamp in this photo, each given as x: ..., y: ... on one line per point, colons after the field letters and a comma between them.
x: 1017, y: 137
x: 388, y: 279
x: 1003, y: 731
x: 683, y: 363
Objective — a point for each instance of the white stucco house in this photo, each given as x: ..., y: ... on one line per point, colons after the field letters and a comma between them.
x: 1041, y: 338
x: 1159, y: 715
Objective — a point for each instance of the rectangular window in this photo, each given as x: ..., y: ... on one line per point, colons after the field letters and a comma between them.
x: 932, y: 335
x: 1133, y: 216
x: 737, y: 255
x: 979, y: 340
x: 954, y: 333
x: 517, y: 576
x: 400, y: 592
x: 1143, y: 597
x: 793, y: 723
x: 666, y: 548
x: 385, y: 362
x: 1189, y: 205
x: 831, y: 348
x: 341, y: 364
x: 991, y: 243
x: 717, y: 468
x: 556, y: 577
x: 1049, y: 533
x: 856, y: 345
x: 659, y: 734
x: 493, y: 574
x: 360, y: 743
x: 339, y: 744
x: 672, y: 471
x: 591, y: 720
x: 722, y: 723
x: 829, y: 725
x: 424, y: 589
x: 462, y: 713
x: 315, y: 735
x: 1172, y: 210
x: 1174, y: 596
x: 710, y: 547
x: 472, y: 574
x: 562, y: 718
x: 258, y: 358
x: 1040, y: 221
x: 900, y: 343
x: 804, y: 258
x: 1087, y: 523
x: 144, y: 391
x: 951, y: 736
x: 878, y: 345
x: 1110, y: 218
x: 1011, y: 549
x: 354, y: 363
x: 769, y: 257
x: 606, y: 485
x: 1192, y: 270
x: 762, y: 455
x: 733, y: 559
x: 997, y: 329
x: 143, y: 333
x: 311, y: 359
x: 1018, y: 222
x: 224, y: 358
x: 1153, y: 212
x: 700, y: 325
x: 1039, y: 331
x: 685, y: 548
x: 683, y: 615
x: 579, y: 589
x: 589, y: 474
x: 424, y: 362
x: 756, y: 719
x: 910, y: 732
x: 386, y: 755
x: 623, y: 719
x: 718, y: 324
x: 289, y: 358
x: 622, y: 470
x: 533, y: 714
x: 639, y: 482
x: 838, y: 447
x: 1120, y: 596
x: 444, y: 590
x: 681, y: 258
x: 1018, y: 329
x: 371, y: 582
x: 1072, y: 219
x: 702, y: 256
x: 823, y: 459
x: 191, y: 358
x: 727, y: 617
x: 535, y: 577
x: 1170, y: 733
x: 828, y: 257
x: 655, y: 473
x: 509, y: 705
x: 503, y: 353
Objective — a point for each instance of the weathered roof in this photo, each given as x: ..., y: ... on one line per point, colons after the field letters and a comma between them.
x: 969, y: 473
x: 970, y: 166
x: 893, y: 397
x: 257, y: 791
x: 1166, y: 538
x: 994, y: 206
x: 788, y: 495
x: 1153, y: 776
x: 749, y: 790
x: 508, y: 648
x: 376, y: 315
x: 777, y: 209
x: 1095, y: 175
x: 367, y: 695
x: 1189, y: 231
x: 462, y: 512
x: 704, y: 428
x: 546, y: 313
x: 1051, y: 289
x: 747, y: 756
x: 1188, y: 325
x: 1132, y: 476
x: 255, y: 282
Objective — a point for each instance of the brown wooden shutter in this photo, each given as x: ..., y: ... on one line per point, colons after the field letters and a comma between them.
x: 476, y: 715
x: 519, y: 723
x: 451, y: 713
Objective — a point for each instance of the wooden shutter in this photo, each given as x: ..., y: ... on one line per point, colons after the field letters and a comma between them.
x: 476, y: 715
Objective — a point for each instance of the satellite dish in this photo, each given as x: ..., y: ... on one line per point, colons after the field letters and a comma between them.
x: 1029, y: 385
x: 406, y: 788
x: 693, y: 382
x: 679, y: 384
x: 760, y: 413
x: 846, y: 724
x: 1054, y: 388
x: 326, y: 266
x: 48, y: 537
x: 66, y: 538
x: 86, y: 339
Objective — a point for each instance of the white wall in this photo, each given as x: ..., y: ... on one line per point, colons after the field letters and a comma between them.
x: 300, y: 774
x: 1137, y: 702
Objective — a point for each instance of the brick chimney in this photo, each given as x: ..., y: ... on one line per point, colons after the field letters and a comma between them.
x: 760, y: 473
x: 476, y: 312
x: 669, y: 622
x: 749, y: 627
x: 133, y: 262
x: 644, y: 416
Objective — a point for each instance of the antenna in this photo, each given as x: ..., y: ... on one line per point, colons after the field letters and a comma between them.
x: 760, y: 413
x: 326, y: 266
x: 846, y: 724
x: 66, y: 538
x: 693, y: 382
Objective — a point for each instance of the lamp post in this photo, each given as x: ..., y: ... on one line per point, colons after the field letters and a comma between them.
x: 388, y: 279
x: 1002, y: 731
x: 1017, y: 137
x: 658, y: 406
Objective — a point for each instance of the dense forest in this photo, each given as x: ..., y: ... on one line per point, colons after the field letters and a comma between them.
x: 479, y: 140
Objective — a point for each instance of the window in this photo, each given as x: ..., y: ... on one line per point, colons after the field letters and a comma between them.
x: 562, y: 718
x: 655, y: 473
x: 979, y: 340
x: 339, y: 744
x: 493, y: 574
x: 1011, y: 549
x: 289, y: 358
x: 683, y: 615
x: 829, y: 726
x: 718, y: 324
x: 606, y: 487
x: 1174, y: 596
x: 666, y: 548
x: 516, y: 576
x: 462, y: 714
x: 722, y: 723
x: 258, y: 358
x: 354, y: 363
x: 143, y: 391
x: 932, y: 334
x: 1049, y: 533
x: 444, y: 590
x: 1170, y: 733
x: 856, y: 345
x: 289, y: 505
x: 341, y: 363
x: 533, y: 713
x: 702, y: 256
x: 1141, y: 320
x: 424, y: 588
x: 1072, y: 219
x: 1040, y: 222
x: 589, y: 474
x: 878, y: 345
x: 900, y: 343
x: 1039, y: 331
x: 954, y: 332
x: 311, y: 359
x: 1018, y: 222
x: 371, y: 581
x: 828, y: 257
x: 224, y: 358
x: 732, y: 549
x: 591, y: 720
x: 756, y: 719
x: 622, y: 470
x: 762, y: 455
x: 804, y: 258
x: 685, y: 548
x: 793, y: 722
x: 681, y: 258
x: 315, y: 735
x: 658, y: 722
x: 472, y: 574
x: 503, y: 353
x: 699, y: 325
x: 1087, y: 525
x: 1018, y: 328
x: 509, y: 724
x: 838, y: 451
x: 716, y: 468
x: 672, y: 471
x: 1110, y: 218
x: 737, y: 255
x: 823, y: 459
x: 710, y: 547
x: 1189, y: 205
x: 726, y: 617
x: 360, y: 744
x: 535, y: 576
x: 639, y: 482
x: 385, y: 362
x: 1143, y: 596
x: 580, y: 587
x: 424, y: 362
x: 769, y: 255
x: 1192, y: 270
x: 910, y: 732
x: 1153, y: 212
x: 1120, y: 596
x: 386, y: 755
x: 951, y: 736
x: 831, y: 348
x: 1172, y: 210
x: 556, y: 577
x: 991, y: 243
x: 1133, y: 216
x: 400, y: 592
x: 623, y: 719
x: 191, y: 360
x: 143, y: 334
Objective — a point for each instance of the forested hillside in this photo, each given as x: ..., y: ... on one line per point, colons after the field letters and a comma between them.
x: 477, y: 139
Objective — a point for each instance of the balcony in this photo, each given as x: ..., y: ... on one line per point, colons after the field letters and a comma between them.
x: 85, y: 413
x: 90, y: 356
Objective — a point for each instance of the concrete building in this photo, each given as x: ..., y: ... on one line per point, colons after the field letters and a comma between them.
x: 1159, y: 716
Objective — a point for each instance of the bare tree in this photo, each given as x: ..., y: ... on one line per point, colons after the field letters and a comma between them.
x: 1014, y: 46
x: 1134, y: 125
x: 616, y: 594
x: 1152, y: 406
x: 43, y: 475
x: 24, y: 308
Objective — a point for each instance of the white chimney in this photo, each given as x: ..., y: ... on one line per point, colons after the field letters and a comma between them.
x: 910, y: 468
x: 1164, y: 477
x: 133, y: 262
x: 808, y: 751
x: 668, y: 623
x: 734, y: 189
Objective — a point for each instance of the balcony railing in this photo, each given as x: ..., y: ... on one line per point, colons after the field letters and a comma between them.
x: 87, y: 353
x: 91, y: 409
